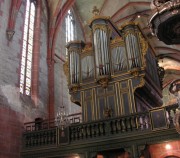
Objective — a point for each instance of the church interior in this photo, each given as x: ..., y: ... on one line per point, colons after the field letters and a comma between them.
x: 90, y: 79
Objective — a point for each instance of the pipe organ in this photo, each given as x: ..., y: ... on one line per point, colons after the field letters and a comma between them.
x: 74, y: 50
x: 101, y: 43
x: 113, y: 75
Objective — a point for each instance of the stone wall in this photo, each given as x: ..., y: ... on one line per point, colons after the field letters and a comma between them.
x: 15, y: 108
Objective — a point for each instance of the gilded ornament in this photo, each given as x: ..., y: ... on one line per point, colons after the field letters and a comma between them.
x: 87, y: 51
x: 108, y: 112
x: 135, y: 72
x: 98, y: 17
x: 143, y: 43
x: 144, y: 48
x: 100, y: 27
x: 95, y: 11
x: 103, y: 81
x: 74, y: 49
x: 117, y: 42
x: 127, y: 23
x: 74, y: 88
x: 74, y: 42
x: 141, y: 83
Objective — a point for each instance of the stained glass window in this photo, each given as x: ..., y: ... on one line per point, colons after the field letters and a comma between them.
x: 27, y: 48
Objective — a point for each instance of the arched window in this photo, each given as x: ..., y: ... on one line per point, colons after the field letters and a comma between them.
x: 27, y: 48
x: 70, y: 26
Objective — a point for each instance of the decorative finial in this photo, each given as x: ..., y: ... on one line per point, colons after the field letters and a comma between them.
x: 95, y: 11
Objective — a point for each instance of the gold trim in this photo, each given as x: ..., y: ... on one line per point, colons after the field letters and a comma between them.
x: 74, y: 88
x: 110, y: 82
x: 87, y: 48
x: 74, y: 42
x: 103, y: 81
x: 74, y: 49
x: 144, y: 48
x: 103, y: 27
x: 154, y: 110
x: 135, y: 72
x: 128, y: 23
x: 141, y: 84
x: 98, y: 17
x: 117, y: 42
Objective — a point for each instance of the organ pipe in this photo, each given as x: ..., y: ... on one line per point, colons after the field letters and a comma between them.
x: 131, y: 36
x: 74, y: 51
x: 101, y: 45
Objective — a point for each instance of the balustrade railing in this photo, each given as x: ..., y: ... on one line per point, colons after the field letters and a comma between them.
x: 130, y: 123
x: 46, y: 133
x: 40, y: 138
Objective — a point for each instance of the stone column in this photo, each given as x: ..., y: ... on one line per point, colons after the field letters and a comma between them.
x: 36, y: 54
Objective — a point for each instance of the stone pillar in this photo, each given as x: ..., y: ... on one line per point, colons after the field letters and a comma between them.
x: 36, y: 54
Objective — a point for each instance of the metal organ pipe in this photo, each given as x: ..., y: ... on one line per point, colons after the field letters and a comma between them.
x: 119, y: 58
x: 74, y: 50
x: 101, y: 47
x: 132, y: 46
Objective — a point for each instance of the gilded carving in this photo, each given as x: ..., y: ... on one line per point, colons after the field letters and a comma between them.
x: 135, y: 72
x: 100, y: 27
x: 126, y: 24
x: 103, y: 81
x: 141, y: 83
x: 144, y: 47
x: 88, y: 50
x: 74, y: 49
x: 74, y: 42
x: 117, y: 42
x: 129, y: 32
x: 96, y: 17
x: 74, y: 88
x: 108, y: 112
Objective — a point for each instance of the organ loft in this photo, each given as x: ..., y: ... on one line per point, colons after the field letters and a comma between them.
x: 115, y: 74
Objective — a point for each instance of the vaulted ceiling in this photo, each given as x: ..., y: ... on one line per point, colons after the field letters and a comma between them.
x: 121, y: 11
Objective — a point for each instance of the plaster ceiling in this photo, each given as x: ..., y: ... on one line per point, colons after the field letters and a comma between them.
x: 121, y: 11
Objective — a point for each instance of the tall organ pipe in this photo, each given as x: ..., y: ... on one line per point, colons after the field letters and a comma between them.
x: 131, y: 39
x: 74, y: 51
x: 101, y: 47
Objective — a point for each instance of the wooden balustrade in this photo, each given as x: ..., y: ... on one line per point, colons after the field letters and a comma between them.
x: 48, y: 134
x: 40, y: 138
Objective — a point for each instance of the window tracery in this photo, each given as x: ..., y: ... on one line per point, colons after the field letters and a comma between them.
x: 27, y: 48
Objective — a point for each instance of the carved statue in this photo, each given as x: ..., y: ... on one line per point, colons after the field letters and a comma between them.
x: 108, y: 112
